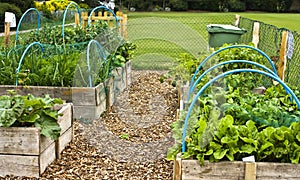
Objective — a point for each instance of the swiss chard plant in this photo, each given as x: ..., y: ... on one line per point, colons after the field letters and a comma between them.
x: 30, y: 111
x: 233, y: 124
x: 123, y: 54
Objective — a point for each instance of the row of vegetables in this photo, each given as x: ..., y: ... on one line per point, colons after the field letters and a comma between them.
x: 55, y: 63
x: 236, y: 109
x: 45, y: 58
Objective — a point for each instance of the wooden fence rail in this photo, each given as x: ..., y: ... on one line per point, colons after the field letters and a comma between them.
x: 108, y: 17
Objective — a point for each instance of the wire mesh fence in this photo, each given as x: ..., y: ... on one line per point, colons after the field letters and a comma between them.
x: 161, y: 38
x: 270, y: 41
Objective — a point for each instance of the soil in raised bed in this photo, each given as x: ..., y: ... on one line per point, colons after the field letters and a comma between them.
x: 130, y: 141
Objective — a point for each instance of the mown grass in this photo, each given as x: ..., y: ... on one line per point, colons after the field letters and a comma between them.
x: 281, y: 20
x: 162, y: 36
x: 152, y: 30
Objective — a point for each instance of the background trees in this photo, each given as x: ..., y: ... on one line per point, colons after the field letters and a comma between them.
x: 209, y: 5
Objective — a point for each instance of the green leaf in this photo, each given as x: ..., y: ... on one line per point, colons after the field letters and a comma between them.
x: 51, y: 113
x: 247, y: 148
x: 29, y: 118
x: 173, y: 151
x: 18, y: 105
x: 200, y: 158
x: 49, y: 127
x: 230, y: 156
x: 220, y: 153
x: 295, y: 154
x: 5, y: 102
x: 7, y: 117
x: 266, y: 148
x: 215, y: 145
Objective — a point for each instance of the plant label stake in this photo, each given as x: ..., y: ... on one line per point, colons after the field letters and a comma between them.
x: 10, y: 21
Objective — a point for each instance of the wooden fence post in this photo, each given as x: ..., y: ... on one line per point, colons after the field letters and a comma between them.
x: 177, y: 168
x: 6, y: 34
x: 237, y: 20
x: 93, y: 18
x: 84, y: 16
x: 250, y: 171
x: 124, y: 26
x: 119, y: 14
x: 255, y: 37
x: 77, y: 22
x: 282, y: 56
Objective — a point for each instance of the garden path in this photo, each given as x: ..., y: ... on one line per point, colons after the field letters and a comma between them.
x: 128, y: 142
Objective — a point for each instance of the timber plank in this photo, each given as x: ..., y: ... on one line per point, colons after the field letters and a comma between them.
x: 128, y: 68
x: 119, y: 80
x: 19, y: 140
x: 46, y: 158
x: 63, y: 141
x: 191, y: 169
x: 84, y: 96
x: 66, y: 120
x: 236, y: 170
x: 100, y: 94
x: 89, y: 112
x: 278, y: 170
x: 64, y: 93
x: 19, y: 165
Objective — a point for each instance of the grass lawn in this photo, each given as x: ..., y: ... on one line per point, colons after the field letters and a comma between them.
x: 170, y: 33
x: 281, y: 20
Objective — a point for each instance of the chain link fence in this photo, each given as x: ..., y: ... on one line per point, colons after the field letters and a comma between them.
x: 270, y: 38
x: 161, y: 38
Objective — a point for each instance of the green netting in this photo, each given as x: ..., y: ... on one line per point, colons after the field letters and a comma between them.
x: 64, y: 49
x: 248, y: 25
x: 161, y: 39
x: 270, y: 38
x: 30, y: 21
x: 292, y: 74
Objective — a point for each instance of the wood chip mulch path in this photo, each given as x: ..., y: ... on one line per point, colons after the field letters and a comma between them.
x: 128, y: 142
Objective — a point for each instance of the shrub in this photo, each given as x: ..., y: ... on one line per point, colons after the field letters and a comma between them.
x: 236, y: 6
x: 52, y: 5
x: 269, y: 5
x: 206, y: 5
x: 179, y: 5
x: 23, y: 5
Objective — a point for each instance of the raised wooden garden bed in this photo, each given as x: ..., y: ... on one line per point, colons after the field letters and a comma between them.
x: 65, y: 122
x: 25, y: 152
x: 189, y: 169
x: 89, y: 103
x: 128, y: 68
x: 120, y: 82
x: 236, y: 170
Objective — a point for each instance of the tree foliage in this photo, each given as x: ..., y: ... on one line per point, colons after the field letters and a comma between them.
x: 23, y: 5
x: 5, y: 7
x: 211, y: 5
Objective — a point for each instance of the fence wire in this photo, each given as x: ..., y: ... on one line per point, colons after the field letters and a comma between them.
x: 292, y: 74
x: 270, y: 38
x: 161, y: 39
x: 248, y: 25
